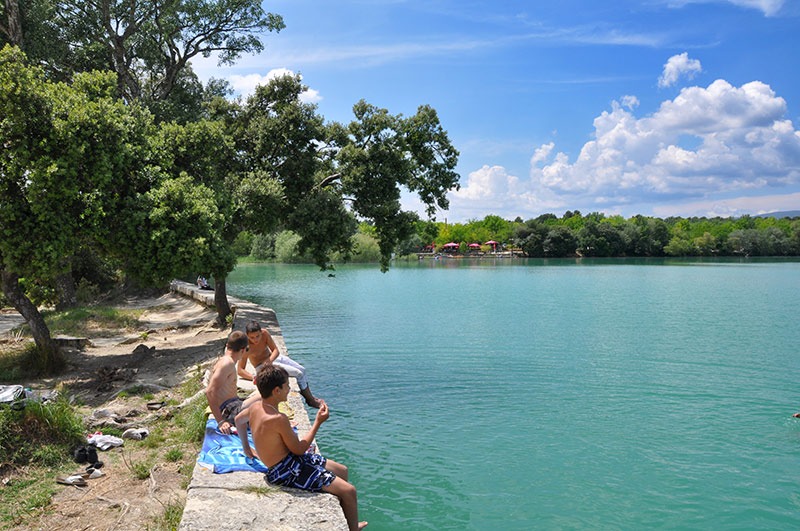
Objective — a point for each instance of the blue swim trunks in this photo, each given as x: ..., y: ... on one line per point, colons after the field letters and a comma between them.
x: 305, y: 472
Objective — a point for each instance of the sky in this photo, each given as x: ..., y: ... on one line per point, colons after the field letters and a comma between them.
x: 659, y: 107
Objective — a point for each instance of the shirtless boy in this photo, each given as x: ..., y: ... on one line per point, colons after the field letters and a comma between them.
x: 278, y: 446
x: 262, y: 350
x: 221, y: 391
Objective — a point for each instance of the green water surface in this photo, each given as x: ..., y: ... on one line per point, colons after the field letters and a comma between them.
x: 553, y: 394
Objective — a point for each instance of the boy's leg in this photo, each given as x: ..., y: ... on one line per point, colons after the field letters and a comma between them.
x: 349, y: 501
x: 338, y: 469
x: 297, y: 371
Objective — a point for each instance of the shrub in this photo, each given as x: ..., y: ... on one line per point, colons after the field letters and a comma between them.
x: 39, y: 431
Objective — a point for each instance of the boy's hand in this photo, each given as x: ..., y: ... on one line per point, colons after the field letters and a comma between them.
x: 323, y: 413
x: 225, y: 427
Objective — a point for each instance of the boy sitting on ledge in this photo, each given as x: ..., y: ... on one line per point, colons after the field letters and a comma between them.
x: 262, y: 350
x: 279, y: 448
x: 222, y: 391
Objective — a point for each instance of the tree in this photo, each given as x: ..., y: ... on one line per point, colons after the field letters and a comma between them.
x: 560, y: 241
x: 149, y: 42
x: 70, y: 153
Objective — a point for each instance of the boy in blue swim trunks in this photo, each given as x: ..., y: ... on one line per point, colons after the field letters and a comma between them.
x: 279, y: 447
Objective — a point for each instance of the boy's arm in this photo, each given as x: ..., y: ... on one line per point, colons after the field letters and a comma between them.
x: 296, y: 445
x: 273, y: 348
x: 241, y: 369
x: 215, y: 384
x: 241, y: 426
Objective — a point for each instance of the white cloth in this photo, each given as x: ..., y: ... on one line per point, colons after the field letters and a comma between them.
x: 294, y: 369
x: 104, y: 442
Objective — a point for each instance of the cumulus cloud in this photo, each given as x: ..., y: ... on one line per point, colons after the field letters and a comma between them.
x: 675, y: 67
x: 631, y: 102
x: 247, y: 84
x: 717, y: 139
x: 493, y: 188
x: 736, y: 206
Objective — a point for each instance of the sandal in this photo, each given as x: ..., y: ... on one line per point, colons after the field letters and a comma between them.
x: 155, y: 405
x: 77, y: 481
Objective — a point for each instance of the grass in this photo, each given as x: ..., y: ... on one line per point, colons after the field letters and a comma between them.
x: 192, y: 421
x: 36, y: 427
x: 170, y: 520
x: 20, y: 361
x: 79, y: 321
x: 39, y: 440
x: 173, y: 455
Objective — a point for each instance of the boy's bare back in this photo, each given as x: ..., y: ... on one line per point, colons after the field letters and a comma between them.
x: 267, y: 426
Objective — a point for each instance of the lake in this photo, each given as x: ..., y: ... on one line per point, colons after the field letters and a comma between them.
x: 513, y: 394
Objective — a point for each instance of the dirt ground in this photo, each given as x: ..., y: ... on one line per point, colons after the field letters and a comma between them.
x: 177, y: 337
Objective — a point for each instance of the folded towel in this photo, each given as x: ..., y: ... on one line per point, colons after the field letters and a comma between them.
x: 223, y: 453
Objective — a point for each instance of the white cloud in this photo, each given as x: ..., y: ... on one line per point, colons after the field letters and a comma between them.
x: 741, y: 142
x: 631, y: 102
x: 736, y: 206
x: 768, y: 7
x: 541, y: 153
x: 676, y: 66
x: 493, y: 189
x: 247, y: 84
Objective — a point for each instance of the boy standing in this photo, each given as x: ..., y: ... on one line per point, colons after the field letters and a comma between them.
x: 279, y: 448
x: 222, y: 390
x: 262, y: 350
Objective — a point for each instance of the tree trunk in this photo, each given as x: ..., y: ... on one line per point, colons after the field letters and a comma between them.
x: 41, y: 334
x: 65, y: 286
x: 14, y: 27
x: 221, y: 300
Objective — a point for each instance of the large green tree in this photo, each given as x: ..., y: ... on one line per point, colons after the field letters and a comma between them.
x: 69, y: 153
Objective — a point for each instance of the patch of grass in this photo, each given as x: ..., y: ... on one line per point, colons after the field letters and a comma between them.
x: 30, y: 430
x: 111, y: 430
x: 122, y: 394
x: 26, y: 497
x: 154, y: 440
x: 194, y: 383
x: 26, y: 360
x: 78, y: 321
x: 149, y: 396
x: 192, y: 421
x: 173, y: 455
x: 140, y: 469
x: 170, y: 520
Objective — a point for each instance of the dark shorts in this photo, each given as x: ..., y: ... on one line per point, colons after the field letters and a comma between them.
x: 305, y: 472
x: 230, y: 408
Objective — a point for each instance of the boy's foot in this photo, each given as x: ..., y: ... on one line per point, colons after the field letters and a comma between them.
x: 314, y: 402
x: 362, y: 525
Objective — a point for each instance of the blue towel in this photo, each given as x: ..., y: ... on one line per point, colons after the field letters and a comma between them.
x: 223, y: 453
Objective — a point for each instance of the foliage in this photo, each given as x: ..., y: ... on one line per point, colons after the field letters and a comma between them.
x: 263, y: 246
x: 243, y: 244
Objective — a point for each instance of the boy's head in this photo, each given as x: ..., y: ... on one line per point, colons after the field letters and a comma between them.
x: 269, y: 377
x: 253, y: 331
x: 236, y: 341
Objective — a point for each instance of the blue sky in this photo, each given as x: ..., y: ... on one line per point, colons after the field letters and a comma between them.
x: 660, y: 107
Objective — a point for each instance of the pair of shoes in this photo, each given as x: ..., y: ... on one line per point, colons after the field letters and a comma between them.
x: 85, y: 454
x: 75, y: 480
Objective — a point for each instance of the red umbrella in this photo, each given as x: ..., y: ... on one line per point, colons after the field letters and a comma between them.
x: 474, y: 245
x: 492, y: 243
x: 451, y: 244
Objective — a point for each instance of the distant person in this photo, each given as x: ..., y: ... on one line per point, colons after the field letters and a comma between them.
x: 202, y: 283
x: 262, y: 350
x: 279, y: 447
x: 796, y: 415
x: 221, y: 393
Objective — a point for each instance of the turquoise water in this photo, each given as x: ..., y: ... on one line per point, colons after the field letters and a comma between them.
x: 553, y: 394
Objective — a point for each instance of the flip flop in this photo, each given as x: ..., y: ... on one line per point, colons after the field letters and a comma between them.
x: 155, y: 405
x: 92, y: 473
x: 77, y: 481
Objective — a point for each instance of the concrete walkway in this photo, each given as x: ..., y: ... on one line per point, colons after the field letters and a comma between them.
x: 244, y: 500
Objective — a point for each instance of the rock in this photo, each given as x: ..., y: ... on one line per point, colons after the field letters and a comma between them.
x: 102, y: 413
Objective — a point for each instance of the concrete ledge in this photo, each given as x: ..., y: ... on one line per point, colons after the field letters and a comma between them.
x: 244, y: 500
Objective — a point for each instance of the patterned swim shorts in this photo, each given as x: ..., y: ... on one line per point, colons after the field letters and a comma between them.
x: 305, y: 472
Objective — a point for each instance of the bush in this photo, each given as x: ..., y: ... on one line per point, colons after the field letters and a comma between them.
x: 243, y: 243
x: 286, y: 249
